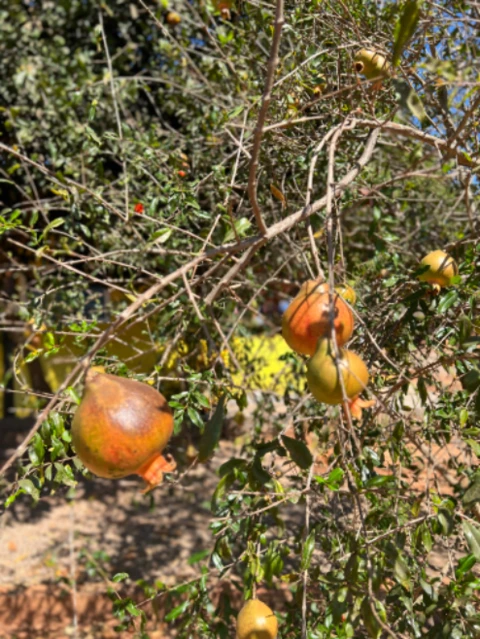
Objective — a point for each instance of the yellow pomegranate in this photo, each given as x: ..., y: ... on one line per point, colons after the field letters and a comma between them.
x: 121, y: 427
x: 322, y: 375
x: 441, y: 269
x: 371, y: 64
x: 173, y: 18
x: 308, y: 317
x: 347, y: 292
x: 256, y: 621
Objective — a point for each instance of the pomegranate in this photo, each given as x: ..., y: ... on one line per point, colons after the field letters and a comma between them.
x: 120, y: 428
x: 347, y: 292
x: 441, y: 269
x: 371, y: 64
x: 322, y: 375
x: 256, y: 621
x: 308, y: 317
x: 173, y: 18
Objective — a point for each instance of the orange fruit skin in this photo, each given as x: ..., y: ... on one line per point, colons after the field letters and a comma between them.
x: 121, y: 426
x: 322, y: 374
x: 441, y: 268
x: 256, y: 621
x: 308, y: 318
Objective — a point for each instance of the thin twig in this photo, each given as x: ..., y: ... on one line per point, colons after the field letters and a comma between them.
x: 267, y: 95
x: 306, y: 532
x: 117, y: 112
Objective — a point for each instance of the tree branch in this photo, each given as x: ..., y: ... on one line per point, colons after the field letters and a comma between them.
x: 267, y: 96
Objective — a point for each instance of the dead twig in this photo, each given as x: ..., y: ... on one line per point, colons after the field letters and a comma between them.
x: 267, y: 95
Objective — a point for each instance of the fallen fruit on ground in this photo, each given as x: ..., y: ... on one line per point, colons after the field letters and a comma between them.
x: 121, y: 427
x: 371, y: 64
x: 256, y: 621
x: 441, y: 269
x: 322, y: 375
x: 308, y: 318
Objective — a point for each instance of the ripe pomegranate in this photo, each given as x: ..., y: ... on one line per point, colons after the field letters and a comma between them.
x: 347, y: 292
x: 322, y: 375
x: 173, y: 18
x: 256, y: 621
x: 371, y: 64
x: 120, y: 428
x: 308, y: 317
x: 441, y: 269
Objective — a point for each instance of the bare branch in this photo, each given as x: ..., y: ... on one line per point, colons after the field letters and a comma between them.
x: 267, y: 95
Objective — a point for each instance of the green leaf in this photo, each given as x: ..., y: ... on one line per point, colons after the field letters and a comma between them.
x: 222, y: 487
x: 133, y: 610
x: 471, y: 380
x: 446, y: 521
x: 472, y: 494
x: 212, y: 432
x: 371, y: 624
x: 29, y: 488
x: 53, y: 225
x: 472, y: 534
x: 298, y: 451
x: 427, y: 538
x: 120, y: 576
x: 415, y: 106
x: 400, y: 570
x: 198, y: 556
x: 258, y: 473
x: 9, y: 501
x: 307, y: 551
x: 92, y: 135
x: 176, y: 612
x: 405, y: 28
x: 36, y: 450
x: 465, y: 564
x: 160, y: 237
x: 475, y: 446
x: 447, y: 301
x: 379, y: 480
x: 195, y: 416
x: 241, y: 227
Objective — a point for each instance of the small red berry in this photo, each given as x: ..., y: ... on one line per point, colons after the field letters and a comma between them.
x: 139, y: 208
x: 182, y: 174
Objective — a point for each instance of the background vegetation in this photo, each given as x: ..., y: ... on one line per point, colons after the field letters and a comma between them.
x: 129, y: 239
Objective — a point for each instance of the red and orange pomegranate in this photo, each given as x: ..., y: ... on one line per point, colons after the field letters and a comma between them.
x: 308, y: 318
x: 121, y: 427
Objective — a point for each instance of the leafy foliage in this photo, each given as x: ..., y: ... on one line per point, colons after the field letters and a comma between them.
x: 126, y: 233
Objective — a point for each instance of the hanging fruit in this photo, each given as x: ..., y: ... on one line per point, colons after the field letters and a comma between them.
x: 121, y: 427
x: 173, y: 18
x: 347, y: 292
x: 322, y: 374
x: 256, y: 621
x: 373, y: 65
x: 308, y: 317
x: 441, y: 269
